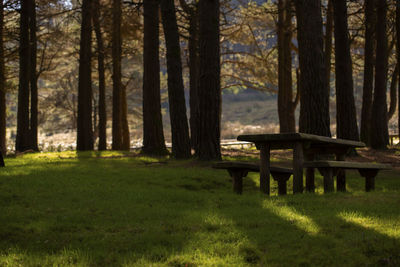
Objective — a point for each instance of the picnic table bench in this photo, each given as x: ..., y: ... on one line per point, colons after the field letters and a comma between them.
x: 238, y: 170
x: 329, y: 169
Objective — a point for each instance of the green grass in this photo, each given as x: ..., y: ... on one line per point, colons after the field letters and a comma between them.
x: 107, y: 209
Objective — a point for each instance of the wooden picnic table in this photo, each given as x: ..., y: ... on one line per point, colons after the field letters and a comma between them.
x: 305, y: 146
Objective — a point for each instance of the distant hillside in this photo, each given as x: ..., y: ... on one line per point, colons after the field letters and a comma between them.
x: 249, y: 107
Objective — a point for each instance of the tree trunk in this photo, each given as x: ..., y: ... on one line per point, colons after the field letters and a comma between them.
x: 116, y: 65
x: 398, y: 56
x: 287, y: 122
x: 370, y: 21
x: 379, y: 123
x: 153, y: 136
x: 85, y: 129
x: 209, y: 81
x: 328, y: 42
x: 346, y: 118
x: 22, y: 141
x: 176, y: 94
x: 126, y: 140
x: 33, y: 79
x: 314, y: 93
x: 3, y: 146
x: 194, y: 77
x: 102, y: 80
x: 393, y: 92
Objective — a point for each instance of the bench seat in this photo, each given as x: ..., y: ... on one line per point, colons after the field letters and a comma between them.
x: 329, y: 169
x: 238, y: 170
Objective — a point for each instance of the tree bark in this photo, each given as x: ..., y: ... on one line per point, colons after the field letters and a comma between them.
x: 379, y: 123
x: 314, y: 94
x: 209, y: 81
x: 194, y: 77
x: 346, y: 118
x: 398, y: 56
x: 370, y: 21
x: 153, y: 136
x: 126, y: 139
x: 22, y: 141
x: 176, y: 94
x: 102, y: 84
x: 328, y: 42
x: 116, y: 77
x: 286, y: 108
x: 33, y: 79
x: 85, y: 129
x: 393, y: 92
x: 3, y: 146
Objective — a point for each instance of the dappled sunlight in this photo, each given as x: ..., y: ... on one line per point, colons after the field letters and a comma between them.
x: 216, y: 241
x: 389, y: 227
x: 292, y: 215
x: 67, y: 257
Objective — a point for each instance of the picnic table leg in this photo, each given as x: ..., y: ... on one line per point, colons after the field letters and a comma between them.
x: 341, y: 175
x: 237, y: 180
x: 281, y: 178
x: 369, y: 176
x: 264, y: 168
x: 310, y: 177
x: 328, y: 180
x: 298, y: 168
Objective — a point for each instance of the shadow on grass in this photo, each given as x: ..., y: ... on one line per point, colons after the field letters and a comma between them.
x: 111, y: 212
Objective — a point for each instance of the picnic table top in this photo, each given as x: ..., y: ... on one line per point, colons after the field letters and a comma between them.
x: 284, y: 140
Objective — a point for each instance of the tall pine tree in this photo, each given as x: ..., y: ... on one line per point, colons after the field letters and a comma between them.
x: 346, y: 118
x: 209, y: 81
x: 379, y: 124
x: 153, y: 135
x: 314, y: 93
x: 176, y: 94
x: 370, y: 20
x: 85, y: 129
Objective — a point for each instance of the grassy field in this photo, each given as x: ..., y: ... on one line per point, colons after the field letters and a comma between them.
x: 115, y: 209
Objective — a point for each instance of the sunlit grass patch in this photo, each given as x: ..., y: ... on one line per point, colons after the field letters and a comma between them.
x: 387, y: 226
x: 117, y: 209
x: 290, y: 214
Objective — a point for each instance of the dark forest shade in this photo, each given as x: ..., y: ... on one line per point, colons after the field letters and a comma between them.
x: 209, y: 81
x: 314, y: 93
x: 379, y: 124
x: 22, y: 141
x: 102, y: 84
x: 84, y: 129
x: 153, y: 136
x: 176, y: 95
x: 346, y: 118
x: 3, y: 147
x: 368, y: 71
x: 116, y: 76
x: 286, y: 107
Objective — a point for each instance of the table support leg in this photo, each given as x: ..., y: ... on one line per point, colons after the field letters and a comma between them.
x: 328, y: 180
x: 341, y: 175
x: 310, y: 176
x: 298, y: 168
x: 265, y: 169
